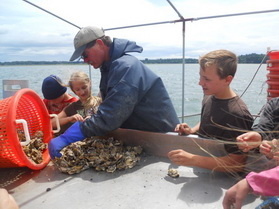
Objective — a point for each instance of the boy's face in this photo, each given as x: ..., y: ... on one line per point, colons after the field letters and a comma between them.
x: 211, y: 82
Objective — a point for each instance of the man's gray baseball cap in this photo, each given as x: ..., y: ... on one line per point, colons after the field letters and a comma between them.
x: 83, y: 37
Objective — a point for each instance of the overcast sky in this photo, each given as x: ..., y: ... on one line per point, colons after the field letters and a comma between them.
x: 28, y: 33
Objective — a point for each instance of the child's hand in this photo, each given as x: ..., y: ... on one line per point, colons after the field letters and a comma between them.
x: 265, y: 148
x: 87, y: 117
x: 270, y: 149
x: 181, y: 157
x: 183, y: 129
x: 76, y: 117
x: 249, y: 140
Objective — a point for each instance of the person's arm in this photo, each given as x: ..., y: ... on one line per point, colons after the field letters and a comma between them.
x: 229, y: 163
x: 268, y: 121
x: 196, y: 128
x: 265, y: 183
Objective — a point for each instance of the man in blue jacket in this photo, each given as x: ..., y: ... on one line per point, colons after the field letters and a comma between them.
x: 133, y: 96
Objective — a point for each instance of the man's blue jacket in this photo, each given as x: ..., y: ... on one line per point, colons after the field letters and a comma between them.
x: 133, y: 96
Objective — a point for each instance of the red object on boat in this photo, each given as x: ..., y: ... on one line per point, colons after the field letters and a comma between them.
x: 272, y: 64
x: 273, y: 55
x: 273, y: 75
x: 27, y: 106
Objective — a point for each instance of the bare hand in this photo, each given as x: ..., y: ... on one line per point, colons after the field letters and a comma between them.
x: 6, y: 200
x: 265, y: 148
x: 87, y: 117
x: 236, y: 194
x: 181, y: 157
x: 183, y: 129
x: 75, y: 118
x: 249, y: 140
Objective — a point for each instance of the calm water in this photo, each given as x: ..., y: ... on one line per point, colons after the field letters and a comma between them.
x: 255, y: 96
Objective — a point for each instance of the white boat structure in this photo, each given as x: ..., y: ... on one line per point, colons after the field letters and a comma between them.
x: 147, y: 185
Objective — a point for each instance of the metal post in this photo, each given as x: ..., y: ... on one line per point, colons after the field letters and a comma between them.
x: 183, y: 57
x: 183, y: 69
x: 51, y: 13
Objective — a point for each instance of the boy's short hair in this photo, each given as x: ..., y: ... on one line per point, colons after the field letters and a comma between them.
x: 225, y: 61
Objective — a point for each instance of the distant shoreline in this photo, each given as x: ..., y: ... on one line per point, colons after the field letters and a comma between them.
x: 242, y: 59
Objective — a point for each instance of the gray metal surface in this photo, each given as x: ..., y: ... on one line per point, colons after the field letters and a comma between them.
x: 147, y: 185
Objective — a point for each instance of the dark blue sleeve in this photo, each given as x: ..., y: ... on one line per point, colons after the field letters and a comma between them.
x: 114, y: 110
x: 122, y: 95
x: 268, y: 124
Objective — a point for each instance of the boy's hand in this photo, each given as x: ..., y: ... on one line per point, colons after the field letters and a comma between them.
x: 249, y: 140
x: 181, y: 157
x: 183, y: 129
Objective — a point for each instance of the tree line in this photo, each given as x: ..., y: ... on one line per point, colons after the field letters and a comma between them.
x: 248, y: 58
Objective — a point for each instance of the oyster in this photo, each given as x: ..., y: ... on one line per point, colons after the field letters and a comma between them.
x: 35, y: 148
x: 106, y: 155
x: 173, y: 173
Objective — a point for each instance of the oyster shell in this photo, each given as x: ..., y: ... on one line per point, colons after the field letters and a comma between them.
x: 34, y: 150
x: 173, y: 173
x: 106, y: 155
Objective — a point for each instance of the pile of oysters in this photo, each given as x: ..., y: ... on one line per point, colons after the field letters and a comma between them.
x: 102, y: 154
x: 34, y: 149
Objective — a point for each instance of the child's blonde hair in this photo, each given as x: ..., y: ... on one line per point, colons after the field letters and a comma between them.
x: 92, y: 101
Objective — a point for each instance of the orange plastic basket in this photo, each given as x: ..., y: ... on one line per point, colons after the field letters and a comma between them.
x: 27, y: 105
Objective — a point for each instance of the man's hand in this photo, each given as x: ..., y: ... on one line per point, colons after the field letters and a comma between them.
x: 71, y: 135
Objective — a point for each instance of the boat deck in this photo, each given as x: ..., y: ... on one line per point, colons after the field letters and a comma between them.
x: 147, y: 185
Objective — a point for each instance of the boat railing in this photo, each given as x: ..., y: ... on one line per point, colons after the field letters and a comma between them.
x: 183, y: 21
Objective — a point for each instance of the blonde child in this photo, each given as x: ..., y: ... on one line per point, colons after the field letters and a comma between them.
x: 86, y: 106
